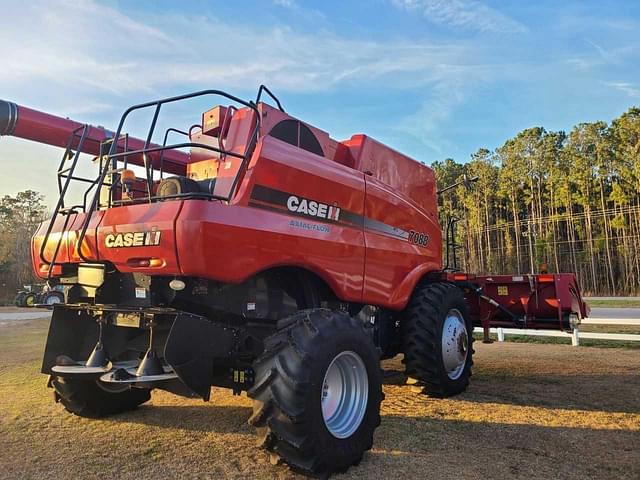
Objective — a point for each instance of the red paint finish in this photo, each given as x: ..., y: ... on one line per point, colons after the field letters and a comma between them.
x: 550, y: 297
x: 142, y: 218
x: 402, y: 174
x: 360, y: 244
x: 68, y: 251
x: 233, y: 242
x: 391, y: 257
x: 363, y: 217
x: 52, y: 130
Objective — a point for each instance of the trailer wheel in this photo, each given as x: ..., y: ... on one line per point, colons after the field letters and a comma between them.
x: 317, y: 392
x: 437, y: 336
x: 86, y: 398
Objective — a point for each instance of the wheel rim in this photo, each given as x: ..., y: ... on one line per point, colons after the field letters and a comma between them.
x: 29, y: 301
x: 52, y: 300
x: 345, y: 391
x: 455, y: 344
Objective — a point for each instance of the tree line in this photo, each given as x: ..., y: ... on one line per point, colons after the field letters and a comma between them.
x: 556, y: 201
x: 19, y: 217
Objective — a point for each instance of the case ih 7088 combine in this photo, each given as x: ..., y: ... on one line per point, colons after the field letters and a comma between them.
x: 267, y: 258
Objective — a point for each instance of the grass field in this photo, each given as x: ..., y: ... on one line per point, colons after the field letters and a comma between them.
x: 532, y: 411
x: 617, y: 303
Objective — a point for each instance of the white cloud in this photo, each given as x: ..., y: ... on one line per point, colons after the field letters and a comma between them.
x: 436, y: 110
x: 88, y: 55
x: 284, y: 3
x: 465, y: 14
x: 94, y: 50
x: 630, y: 89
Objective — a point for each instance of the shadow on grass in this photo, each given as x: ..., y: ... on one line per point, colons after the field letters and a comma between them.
x: 605, y: 393
x: 406, y: 446
x: 196, y: 418
x: 463, y: 449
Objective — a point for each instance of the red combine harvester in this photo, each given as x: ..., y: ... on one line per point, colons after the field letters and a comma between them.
x: 268, y: 258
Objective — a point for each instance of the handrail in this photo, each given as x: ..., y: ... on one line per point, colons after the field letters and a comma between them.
x: 177, y: 145
x: 113, y: 155
x: 164, y: 143
x: 63, y: 191
x: 270, y: 93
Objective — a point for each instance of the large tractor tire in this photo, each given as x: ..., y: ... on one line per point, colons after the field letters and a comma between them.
x: 52, y: 297
x: 19, y: 301
x: 438, y: 340
x: 86, y: 398
x: 317, y: 392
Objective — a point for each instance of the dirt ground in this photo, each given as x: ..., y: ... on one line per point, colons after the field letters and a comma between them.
x: 532, y: 411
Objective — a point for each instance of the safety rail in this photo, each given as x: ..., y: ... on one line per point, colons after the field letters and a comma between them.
x: 263, y: 88
x: 112, y: 157
x: 164, y: 143
x: 67, y: 174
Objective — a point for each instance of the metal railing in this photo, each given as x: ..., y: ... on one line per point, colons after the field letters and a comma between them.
x: 113, y: 156
x: 63, y: 186
x: 575, y: 335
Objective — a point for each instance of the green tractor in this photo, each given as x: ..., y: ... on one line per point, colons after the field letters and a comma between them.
x: 29, y: 296
x: 39, y: 295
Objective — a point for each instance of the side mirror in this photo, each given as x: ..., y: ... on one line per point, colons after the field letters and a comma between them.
x: 466, y: 181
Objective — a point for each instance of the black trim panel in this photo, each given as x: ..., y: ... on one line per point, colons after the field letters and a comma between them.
x: 276, y: 200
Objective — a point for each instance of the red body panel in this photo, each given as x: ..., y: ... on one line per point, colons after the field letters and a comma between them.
x: 68, y: 250
x: 233, y: 242
x: 394, y: 263
x: 160, y: 217
x: 363, y: 251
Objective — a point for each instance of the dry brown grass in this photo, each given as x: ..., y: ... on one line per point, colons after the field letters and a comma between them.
x: 532, y: 411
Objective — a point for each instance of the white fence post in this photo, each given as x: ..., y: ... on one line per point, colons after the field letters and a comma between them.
x: 575, y: 335
x: 575, y: 340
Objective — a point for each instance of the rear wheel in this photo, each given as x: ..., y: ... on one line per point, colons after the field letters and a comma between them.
x: 19, y: 301
x: 317, y: 392
x: 53, y: 298
x: 87, y: 398
x: 438, y: 340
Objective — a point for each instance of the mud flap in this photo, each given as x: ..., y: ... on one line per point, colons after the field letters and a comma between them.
x: 192, y: 347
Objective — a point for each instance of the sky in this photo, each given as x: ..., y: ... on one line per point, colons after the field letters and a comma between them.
x: 434, y: 79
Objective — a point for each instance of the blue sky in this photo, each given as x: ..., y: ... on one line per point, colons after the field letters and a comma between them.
x: 431, y: 78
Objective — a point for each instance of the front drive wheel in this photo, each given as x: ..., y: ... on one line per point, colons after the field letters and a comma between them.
x: 29, y: 300
x: 87, y: 398
x: 437, y: 334
x: 317, y: 392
